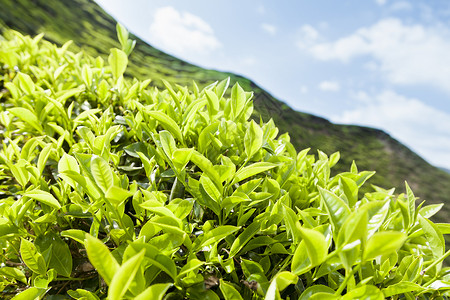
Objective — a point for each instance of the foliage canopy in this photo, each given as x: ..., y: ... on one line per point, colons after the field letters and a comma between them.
x: 113, y: 189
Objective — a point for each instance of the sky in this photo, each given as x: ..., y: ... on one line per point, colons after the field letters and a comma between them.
x: 377, y: 63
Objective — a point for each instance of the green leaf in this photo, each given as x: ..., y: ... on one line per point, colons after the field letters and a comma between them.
x: 206, y: 166
x: 238, y: 100
x: 155, y: 291
x: 82, y: 295
x: 430, y: 210
x: 167, y: 142
x: 253, y: 139
x: 401, y: 288
x: 337, y: 209
x: 350, y: 190
x: 101, y: 258
x: 434, y: 237
x: 122, y: 34
x: 244, y: 237
x: 368, y: 292
x: 228, y: 291
x: 44, y: 197
x: 252, y: 170
x: 213, y: 102
x: 180, y: 158
x: 316, y: 245
x: 32, y: 258
x: 28, y: 117
x: 314, y: 289
x: 118, y: 61
x: 168, y: 123
x: 68, y: 163
x: 124, y: 277
x: 13, y: 273
x: 411, y: 204
x: 215, y: 235
x: 117, y: 195
x: 383, y: 243
x: 102, y: 173
x: 155, y: 256
x: 191, y: 265
x: 32, y: 293
x: 61, y: 259
x: 75, y: 234
x: 26, y: 83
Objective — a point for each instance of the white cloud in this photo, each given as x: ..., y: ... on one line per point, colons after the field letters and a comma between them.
x: 182, y: 33
x: 381, y: 2
x: 413, y: 122
x: 406, y: 54
x: 329, y: 86
x: 269, y: 28
x: 308, y: 36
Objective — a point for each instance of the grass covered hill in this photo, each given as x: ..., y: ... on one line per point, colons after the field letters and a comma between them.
x: 93, y: 30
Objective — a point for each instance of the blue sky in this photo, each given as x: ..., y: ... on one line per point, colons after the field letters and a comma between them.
x: 378, y: 63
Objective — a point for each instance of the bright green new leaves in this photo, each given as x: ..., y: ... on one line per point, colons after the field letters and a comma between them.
x: 102, y: 173
x: 279, y: 283
x: 383, y: 243
x: 101, y: 258
x: 167, y: 122
x: 155, y: 291
x: 118, y: 61
x: 124, y: 277
x: 311, y: 251
x: 368, y: 292
x: 253, y: 139
x: 252, y: 170
x: 28, y: 117
x: 433, y: 236
x: 44, y: 197
x: 229, y: 291
x: 32, y: 258
x: 338, y: 211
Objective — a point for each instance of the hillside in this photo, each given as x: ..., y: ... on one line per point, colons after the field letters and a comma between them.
x: 91, y: 29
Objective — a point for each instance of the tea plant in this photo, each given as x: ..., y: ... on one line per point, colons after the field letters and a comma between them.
x: 111, y: 188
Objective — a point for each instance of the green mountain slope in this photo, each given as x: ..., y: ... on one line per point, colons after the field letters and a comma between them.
x: 93, y: 30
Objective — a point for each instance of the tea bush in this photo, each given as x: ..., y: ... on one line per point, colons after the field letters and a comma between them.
x: 111, y: 188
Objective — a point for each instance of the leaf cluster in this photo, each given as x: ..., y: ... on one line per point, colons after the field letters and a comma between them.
x: 112, y: 189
